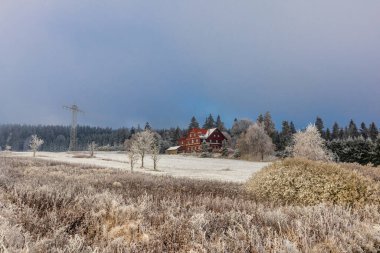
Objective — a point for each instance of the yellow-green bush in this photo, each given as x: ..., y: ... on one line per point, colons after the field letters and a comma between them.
x: 304, y: 182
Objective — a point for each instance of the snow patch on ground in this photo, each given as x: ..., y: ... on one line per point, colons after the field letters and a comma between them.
x: 173, y: 165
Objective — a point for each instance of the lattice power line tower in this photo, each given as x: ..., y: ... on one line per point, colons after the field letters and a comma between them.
x: 73, y: 133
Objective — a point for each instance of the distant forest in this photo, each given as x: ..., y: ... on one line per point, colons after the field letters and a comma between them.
x: 57, y: 138
x: 349, y: 143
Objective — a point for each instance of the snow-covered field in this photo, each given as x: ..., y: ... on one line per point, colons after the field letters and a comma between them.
x: 174, y: 165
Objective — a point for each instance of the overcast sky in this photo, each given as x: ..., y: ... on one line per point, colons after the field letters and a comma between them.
x: 128, y: 62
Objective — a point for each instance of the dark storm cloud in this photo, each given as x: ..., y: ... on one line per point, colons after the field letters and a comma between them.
x: 127, y: 62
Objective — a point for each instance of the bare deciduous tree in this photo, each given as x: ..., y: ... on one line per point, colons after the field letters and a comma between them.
x: 309, y: 144
x: 255, y: 142
x: 35, y: 144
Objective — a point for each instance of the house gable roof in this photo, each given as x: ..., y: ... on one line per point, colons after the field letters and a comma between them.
x: 173, y: 148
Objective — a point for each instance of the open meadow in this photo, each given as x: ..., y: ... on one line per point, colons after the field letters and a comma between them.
x: 173, y: 165
x: 50, y: 206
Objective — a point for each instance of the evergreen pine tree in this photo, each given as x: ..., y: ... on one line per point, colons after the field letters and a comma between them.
x: 319, y: 125
x: 209, y: 123
x: 373, y: 132
x: 193, y: 123
x: 292, y: 127
x: 147, y: 126
x: 342, y: 133
x: 269, y: 125
x: 260, y: 119
x: 363, y: 130
x: 176, y: 135
x: 224, y: 148
x: 328, y: 134
x: 285, y: 136
x: 352, y: 130
x: 220, y: 124
x: 205, y: 151
x: 376, y: 155
x: 335, y: 131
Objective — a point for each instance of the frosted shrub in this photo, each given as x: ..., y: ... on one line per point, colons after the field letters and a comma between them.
x: 304, y: 182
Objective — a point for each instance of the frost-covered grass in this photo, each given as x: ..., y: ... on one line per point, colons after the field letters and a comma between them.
x: 298, y: 181
x: 48, y: 206
x: 173, y: 165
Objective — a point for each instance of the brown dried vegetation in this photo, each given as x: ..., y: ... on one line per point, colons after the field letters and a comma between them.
x: 52, y: 207
x: 299, y: 181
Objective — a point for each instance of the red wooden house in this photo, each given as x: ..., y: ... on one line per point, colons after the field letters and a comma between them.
x: 196, y: 136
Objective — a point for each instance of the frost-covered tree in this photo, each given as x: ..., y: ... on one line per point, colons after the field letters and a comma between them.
x: 354, y: 150
x: 132, y: 151
x: 256, y: 142
x: 143, y: 142
x: 239, y: 127
x: 35, y: 144
x: 310, y: 144
x: 91, y: 147
x: 155, y: 149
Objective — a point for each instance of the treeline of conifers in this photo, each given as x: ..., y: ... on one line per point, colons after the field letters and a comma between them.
x: 350, y: 143
x: 57, y: 138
